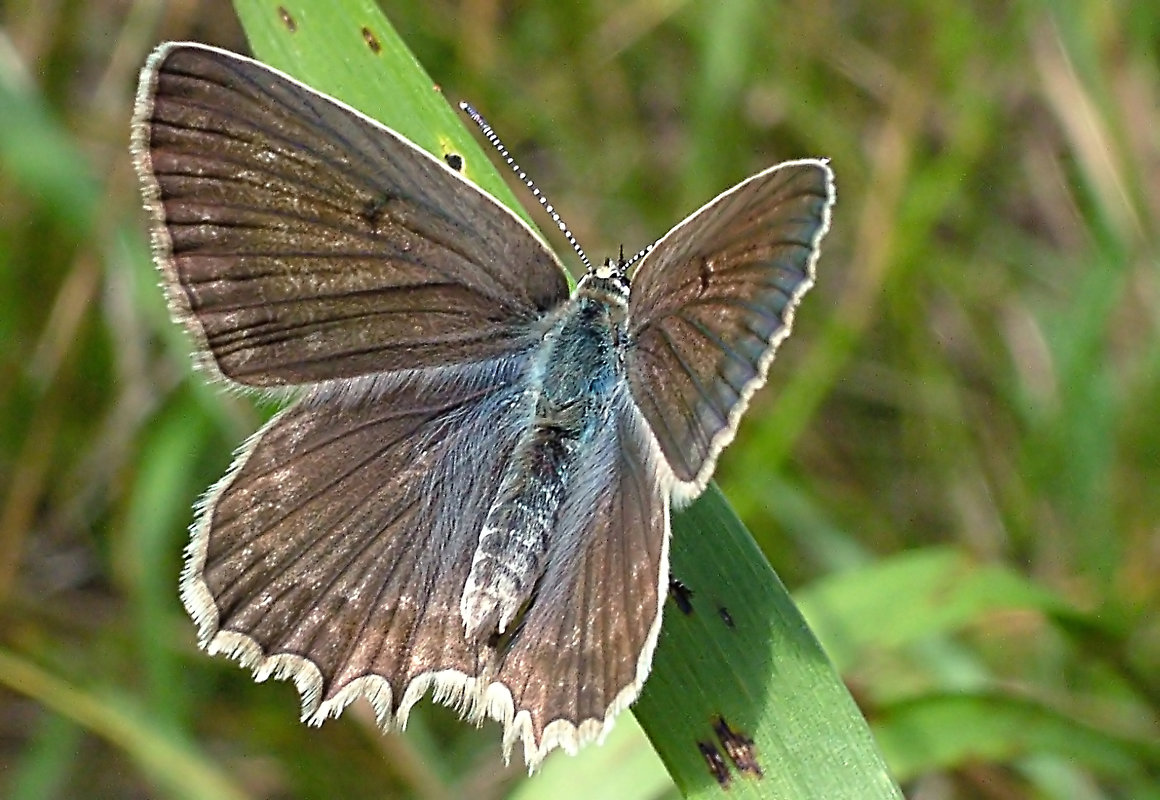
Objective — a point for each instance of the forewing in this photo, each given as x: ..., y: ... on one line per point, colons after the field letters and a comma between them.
x: 585, y: 645
x: 301, y: 241
x: 335, y: 551
x: 711, y: 303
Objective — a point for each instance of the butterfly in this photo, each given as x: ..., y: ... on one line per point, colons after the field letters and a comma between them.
x: 470, y: 492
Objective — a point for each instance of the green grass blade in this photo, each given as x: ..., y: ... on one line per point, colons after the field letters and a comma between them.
x: 45, y: 766
x: 767, y: 676
x: 744, y: 654
x: 171, y: 763
x: 156, y: 509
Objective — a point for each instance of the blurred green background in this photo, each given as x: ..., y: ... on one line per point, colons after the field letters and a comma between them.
x: 954, y: 467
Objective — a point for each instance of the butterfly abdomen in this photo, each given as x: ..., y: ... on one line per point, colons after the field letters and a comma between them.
x: 513, y: 542
x: 572, y: 391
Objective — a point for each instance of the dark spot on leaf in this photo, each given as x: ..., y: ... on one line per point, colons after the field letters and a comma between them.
x: 739, y: 748
x: 455, y: 161
x: 682, y: 595
x: 371, y: 40
x: 287, y: 20
x: 726, y: 617
x: 717, y: 766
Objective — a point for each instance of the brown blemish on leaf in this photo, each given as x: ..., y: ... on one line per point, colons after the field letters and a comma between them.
x: 717, y: 766
x: 287, y: 20
x: 739, y: 748
x: 682, y: 595
x: 372, y: 41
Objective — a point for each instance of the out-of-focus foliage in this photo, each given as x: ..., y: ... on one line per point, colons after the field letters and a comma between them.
x: 954, y: 466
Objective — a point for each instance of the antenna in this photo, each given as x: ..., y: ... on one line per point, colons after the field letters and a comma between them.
x: 494, y: 141
x: 644, y: 252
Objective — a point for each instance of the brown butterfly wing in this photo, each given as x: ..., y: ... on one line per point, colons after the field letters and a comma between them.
x: 301, y: 241
x: 711, y: 303
x: 335, y: 550
x: 585, y: 645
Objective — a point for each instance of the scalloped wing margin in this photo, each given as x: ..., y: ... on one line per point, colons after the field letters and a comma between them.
x: 334, y: 553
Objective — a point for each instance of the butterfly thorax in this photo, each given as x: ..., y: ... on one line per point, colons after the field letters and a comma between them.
x: 576, y: 375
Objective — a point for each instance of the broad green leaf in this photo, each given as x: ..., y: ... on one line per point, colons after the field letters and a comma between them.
x: 745, y: 655
x: 945, y: 731
x: 913, y: 596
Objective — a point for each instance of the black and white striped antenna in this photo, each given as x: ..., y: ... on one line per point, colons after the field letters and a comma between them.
x: 643, y: 252
x: 494, y: 141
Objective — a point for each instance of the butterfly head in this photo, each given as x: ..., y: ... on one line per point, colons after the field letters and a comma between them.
x: 608, y: 280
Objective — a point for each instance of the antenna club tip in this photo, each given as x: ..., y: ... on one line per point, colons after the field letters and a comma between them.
x: 468, y: 109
